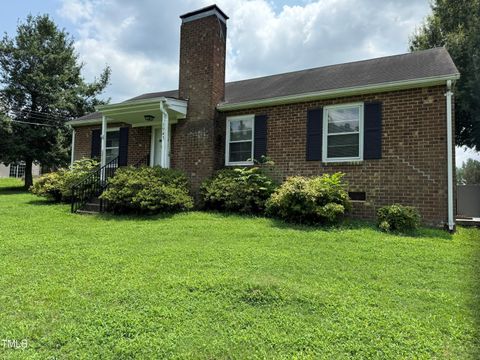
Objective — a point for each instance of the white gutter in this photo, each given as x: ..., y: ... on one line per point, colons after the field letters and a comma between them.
x: 451, y: 219
x: 72, y: 156
x: 355, y: 90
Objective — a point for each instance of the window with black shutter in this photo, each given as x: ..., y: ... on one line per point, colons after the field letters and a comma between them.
x: 314, y: 134
x: 372, y: 131
x: 343, y: 132
x: 239, y: 140
x: 96, y: 144
x: 260, y: 137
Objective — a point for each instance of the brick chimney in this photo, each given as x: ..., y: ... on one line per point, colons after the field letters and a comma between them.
x: 201, y: 82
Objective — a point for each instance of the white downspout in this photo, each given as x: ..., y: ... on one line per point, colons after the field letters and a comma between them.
x: 451, y: 219
x: 72, y: 156
x: 103, y: 151
x: 164, y: 163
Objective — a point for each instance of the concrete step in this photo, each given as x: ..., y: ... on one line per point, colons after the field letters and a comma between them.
x: 87, y: 212
x: 91, y: 207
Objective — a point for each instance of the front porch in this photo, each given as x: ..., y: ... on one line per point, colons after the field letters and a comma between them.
x: 134, y: 132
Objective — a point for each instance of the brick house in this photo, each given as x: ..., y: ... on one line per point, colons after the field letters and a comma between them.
x: 386, y: 123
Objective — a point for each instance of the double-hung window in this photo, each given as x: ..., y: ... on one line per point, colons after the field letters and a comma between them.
x: 343, y: 132
x: 239, y: 144
x: 113, y: 144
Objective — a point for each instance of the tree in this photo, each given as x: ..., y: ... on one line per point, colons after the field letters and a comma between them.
x: 42, y: 89
x: 455, y: 24
x: 469, y: 173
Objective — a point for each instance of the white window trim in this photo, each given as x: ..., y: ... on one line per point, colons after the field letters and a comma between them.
x: 227, y: 140
x: 325, y: 133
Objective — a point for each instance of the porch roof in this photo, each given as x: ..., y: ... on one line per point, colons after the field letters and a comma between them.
x: 133, y: 111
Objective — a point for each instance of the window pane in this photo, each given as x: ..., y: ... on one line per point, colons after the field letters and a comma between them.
x: 113, y: 138
x: 13, y: 170
x: 241, y: 130
x: 340, y: 146
x: 343, y: 120
x: 21, y: 170
x: 111, y: 154
x: 240, y: 151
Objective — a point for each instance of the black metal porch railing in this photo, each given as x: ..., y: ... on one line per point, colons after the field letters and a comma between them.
x: 93, y: 185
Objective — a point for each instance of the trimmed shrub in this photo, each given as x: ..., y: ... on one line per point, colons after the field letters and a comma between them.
x: 321, y: 199
x: 397, y: 217
x: 49, y: 186
x: 148, y: 190
x: 57, y: 185
x: 243, y: 190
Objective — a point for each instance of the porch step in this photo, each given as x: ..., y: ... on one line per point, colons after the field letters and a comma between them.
x: 86, y: 212
x: 91, y: 207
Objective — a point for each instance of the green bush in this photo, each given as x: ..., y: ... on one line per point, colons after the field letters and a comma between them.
x: 57, y: 185
x: 147, y: 190
x: 397, y: 217
x: 321, y: 199
x: 49, y: 186
x: 243, y: 190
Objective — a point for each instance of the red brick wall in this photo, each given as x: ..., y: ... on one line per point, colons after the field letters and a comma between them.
x: 412, y: 171
x: 138, y: 142
x: 202, y: 82
x: 413, y: 168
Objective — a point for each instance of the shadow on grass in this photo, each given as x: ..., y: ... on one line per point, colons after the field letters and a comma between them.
x: 108, y: 216
x: 353, y: 224
x: 12, y: 190
x: 44, y: 202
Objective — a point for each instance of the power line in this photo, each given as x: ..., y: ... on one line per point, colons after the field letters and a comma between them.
x: 32, y: 123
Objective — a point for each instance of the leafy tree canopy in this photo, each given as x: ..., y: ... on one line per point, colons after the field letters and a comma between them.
x: 469, y: 173
x: 455, y: 24
x: 42, y: 88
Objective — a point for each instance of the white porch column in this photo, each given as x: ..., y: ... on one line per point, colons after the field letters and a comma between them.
x: 103, y: 148
x: 164, y: 161
x: 72, y: 157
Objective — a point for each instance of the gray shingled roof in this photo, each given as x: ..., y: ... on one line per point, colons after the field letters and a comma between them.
x: 417, y: 65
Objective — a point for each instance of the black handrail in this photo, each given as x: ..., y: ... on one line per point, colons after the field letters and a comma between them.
x: 93, y: 185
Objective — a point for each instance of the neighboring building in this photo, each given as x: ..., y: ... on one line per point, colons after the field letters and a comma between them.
x: 17, y: 170
x: 386, y: 123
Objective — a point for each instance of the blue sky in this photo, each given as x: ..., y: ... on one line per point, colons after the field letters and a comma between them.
x: 139, y: 39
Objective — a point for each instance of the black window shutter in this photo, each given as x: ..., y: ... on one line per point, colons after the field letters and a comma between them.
x: 260, y: 137
x: 314, y: 134
x: 123, y: 147
x: 96, y: 143
x: 372, y: 138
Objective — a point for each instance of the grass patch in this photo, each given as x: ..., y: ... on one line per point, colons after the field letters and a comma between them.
x: 207, y: 285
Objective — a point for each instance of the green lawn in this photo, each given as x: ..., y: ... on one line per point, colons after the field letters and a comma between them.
x: 203, y: 285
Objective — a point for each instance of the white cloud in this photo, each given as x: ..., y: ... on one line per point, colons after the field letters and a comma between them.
x: 77, y: 10
x: 463, y: 153
x: 140, y: 40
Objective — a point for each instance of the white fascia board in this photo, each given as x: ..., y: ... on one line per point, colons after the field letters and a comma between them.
x: 128, y: 106
x: 74, y: 123
x: 356, y: 90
